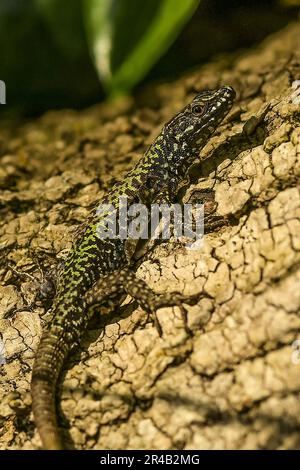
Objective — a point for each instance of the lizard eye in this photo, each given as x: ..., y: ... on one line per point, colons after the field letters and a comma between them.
x: 198, y: 109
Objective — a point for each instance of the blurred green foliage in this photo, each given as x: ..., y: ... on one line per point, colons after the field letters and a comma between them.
x: 38, y: 71
x: 44, y: 41
x: 72, y: 53
x: 127, y: 37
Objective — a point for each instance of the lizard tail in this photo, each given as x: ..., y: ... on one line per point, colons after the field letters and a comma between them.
x: 50, y: 356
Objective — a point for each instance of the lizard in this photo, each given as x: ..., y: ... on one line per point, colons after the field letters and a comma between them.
x: 98, y: 271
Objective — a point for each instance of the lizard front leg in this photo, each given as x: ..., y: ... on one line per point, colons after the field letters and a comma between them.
x: 126, y: 281
x: 206, y: 197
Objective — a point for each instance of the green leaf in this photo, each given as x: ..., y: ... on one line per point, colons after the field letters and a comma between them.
x: 126, y: 37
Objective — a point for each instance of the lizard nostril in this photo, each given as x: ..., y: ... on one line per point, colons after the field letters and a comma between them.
x: 227, y: 90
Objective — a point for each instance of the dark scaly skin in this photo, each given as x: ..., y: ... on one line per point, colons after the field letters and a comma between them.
x: 96, y: 269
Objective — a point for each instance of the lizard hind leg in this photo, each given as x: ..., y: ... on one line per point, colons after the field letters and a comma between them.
x: 126, y: 281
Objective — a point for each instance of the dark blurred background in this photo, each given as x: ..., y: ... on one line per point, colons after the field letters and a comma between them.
x: 40, y: 74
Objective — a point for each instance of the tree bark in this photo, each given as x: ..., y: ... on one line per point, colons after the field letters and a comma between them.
x: 233, y: 384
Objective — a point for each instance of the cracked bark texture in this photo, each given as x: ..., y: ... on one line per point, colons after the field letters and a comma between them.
x: 235, y: 383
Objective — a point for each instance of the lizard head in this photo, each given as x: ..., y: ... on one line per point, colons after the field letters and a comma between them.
x: 191, y: 128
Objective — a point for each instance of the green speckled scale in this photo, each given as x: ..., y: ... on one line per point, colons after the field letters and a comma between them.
x: 97, y: 270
